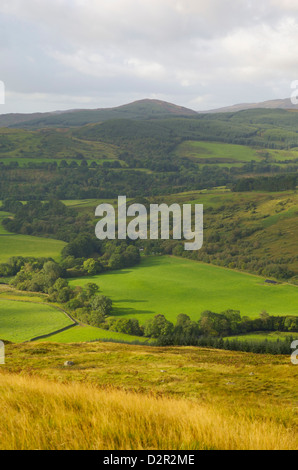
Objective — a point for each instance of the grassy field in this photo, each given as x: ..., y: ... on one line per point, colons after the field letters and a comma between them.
x: 227, y: 153
x: 22, y: 321
x: 170, y: 286
x: 25, y: 245
x: 262, y: 336
x: 80, y: 334
x: 139, y: 397
x: 212, y: 152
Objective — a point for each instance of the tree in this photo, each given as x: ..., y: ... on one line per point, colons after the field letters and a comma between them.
x: 91, y: 289
x: 158, y: 327
x: 102, y: 304
x: 52, y: 272
x: 90, y: 266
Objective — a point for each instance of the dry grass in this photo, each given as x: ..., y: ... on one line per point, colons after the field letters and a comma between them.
x: 39, y: 414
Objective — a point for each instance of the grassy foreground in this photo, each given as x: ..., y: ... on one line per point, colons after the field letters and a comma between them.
x: 40, y: 415
x: 141, y: 397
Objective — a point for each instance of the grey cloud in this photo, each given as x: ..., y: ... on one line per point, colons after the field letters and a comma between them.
x: 196, y: 53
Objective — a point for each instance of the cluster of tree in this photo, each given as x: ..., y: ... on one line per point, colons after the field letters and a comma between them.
x: 231, y: 323
x: 256, y: 347
x: 14, y: 265
x: 84, y: 254
x: 266, y: 183
x: 47, y: 277
x: 107, y: 183
x: 169, y: 174
x: 210, y: 325
x: 50, y: 219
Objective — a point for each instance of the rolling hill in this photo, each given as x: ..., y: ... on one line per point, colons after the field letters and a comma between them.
x: 143, y: 109
x: 270, y: 104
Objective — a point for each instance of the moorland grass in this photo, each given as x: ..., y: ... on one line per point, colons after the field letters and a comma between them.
x: 40, y: 415
x: 139, y: 397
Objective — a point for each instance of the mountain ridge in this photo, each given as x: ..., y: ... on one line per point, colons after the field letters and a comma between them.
x: 285, y: 103
x: 145, y: 109
x: 141, y: 109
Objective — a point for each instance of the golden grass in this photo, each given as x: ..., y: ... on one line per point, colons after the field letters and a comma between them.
x: 44, y: 415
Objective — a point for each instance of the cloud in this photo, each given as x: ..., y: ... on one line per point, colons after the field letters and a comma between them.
x: 195, y: 52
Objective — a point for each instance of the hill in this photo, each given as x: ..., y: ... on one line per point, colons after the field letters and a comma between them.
x: 271, y: 104
x: 143, y: 109
x: 131, y: 397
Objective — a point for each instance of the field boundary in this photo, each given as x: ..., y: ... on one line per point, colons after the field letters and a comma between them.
x: 37, y: 338
x: 74, y: 322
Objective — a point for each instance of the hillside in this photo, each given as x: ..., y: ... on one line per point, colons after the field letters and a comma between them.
x: 143, y: 109
x: 130, y: 397
x: 271, y: 104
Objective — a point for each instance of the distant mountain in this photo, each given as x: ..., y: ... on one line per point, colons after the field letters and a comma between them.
x: 9, y: 120
x: 138, y: 110
x: 144, y: 109
x: 272, y: 104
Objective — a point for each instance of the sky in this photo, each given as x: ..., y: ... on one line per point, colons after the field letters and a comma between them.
x: 202, y: 54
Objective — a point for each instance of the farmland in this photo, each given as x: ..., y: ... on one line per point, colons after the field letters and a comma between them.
x: 220, y: 153
x: 81, y: 334
x: 25, y: 245
x: 141, y: 395
x: 21, y: 321
x: 170, y: 286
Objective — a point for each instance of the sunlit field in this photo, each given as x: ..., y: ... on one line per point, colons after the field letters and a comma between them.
x: 170, y: 286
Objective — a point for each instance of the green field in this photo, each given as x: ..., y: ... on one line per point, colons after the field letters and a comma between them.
x: 23, y: 321
x: 262, y: 336
x: 83, y: 334
x: 25, y: 245
x: 228, y: 153
x: 212, y: 152
x: 170, y: 286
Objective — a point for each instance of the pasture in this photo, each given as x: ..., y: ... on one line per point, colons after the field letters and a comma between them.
x: 25, y: 245
x: 80, y: 334
x: 170, y: 286
x: 23, y: 321
x: 227, y: 153
x: 213, y: 152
